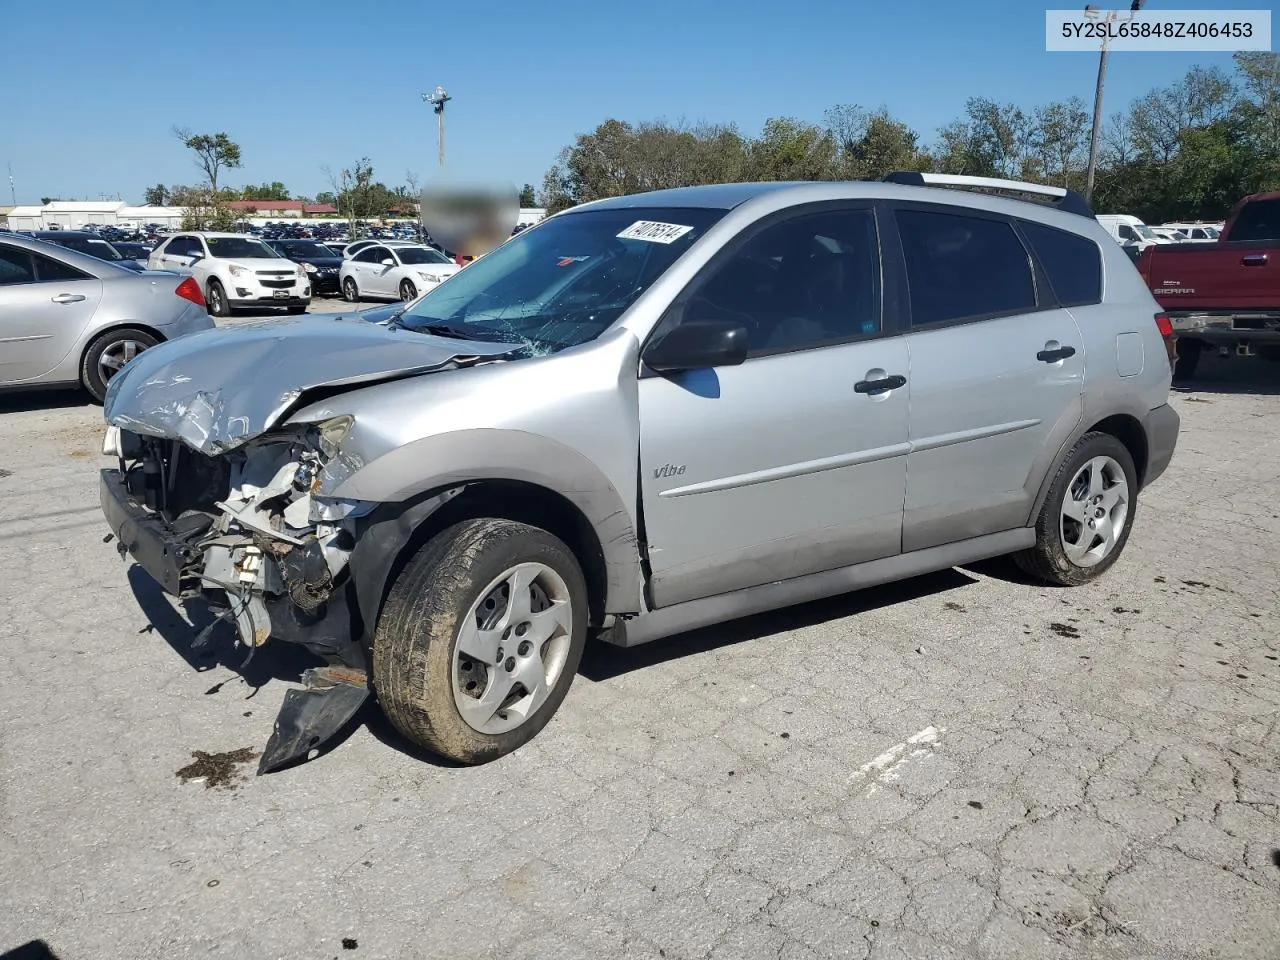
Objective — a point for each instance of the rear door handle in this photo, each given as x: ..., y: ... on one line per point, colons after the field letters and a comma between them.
x: 873, y: 387
x: 1053, y: 356
x: 67, y: 298
x: 1254, y: 260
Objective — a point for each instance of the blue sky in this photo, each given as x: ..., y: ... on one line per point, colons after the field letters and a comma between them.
x: 301, y: 85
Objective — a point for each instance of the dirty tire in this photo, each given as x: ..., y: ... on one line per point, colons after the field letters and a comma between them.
x: 216, y: 299
x: 413, y: 646
x: 408, y: 291
x: 1047, y: 560
x: 91, y: 373
x: 1188, y: 358
x: 350, y: 292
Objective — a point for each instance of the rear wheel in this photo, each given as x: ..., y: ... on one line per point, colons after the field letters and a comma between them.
x: 1086, y: 518
x: 408, y: 291
x: 350, y: 292
x: 108, y: 354
x: 479, y: 639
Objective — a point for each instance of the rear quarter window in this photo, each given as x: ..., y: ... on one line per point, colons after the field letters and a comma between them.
x: 1073, y: 263
x: 1257, y: 220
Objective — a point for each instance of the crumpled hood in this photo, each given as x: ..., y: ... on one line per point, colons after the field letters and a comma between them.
x: 218, y: 389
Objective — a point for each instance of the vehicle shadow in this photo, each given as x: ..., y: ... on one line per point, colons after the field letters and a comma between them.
x: 275, y: 661
x: 32, y: 950
x: 1232, y: 375
x: 603, y: 661
x: 27, y: 401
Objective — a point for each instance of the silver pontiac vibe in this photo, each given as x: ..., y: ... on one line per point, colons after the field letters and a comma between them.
x: 644, y: 415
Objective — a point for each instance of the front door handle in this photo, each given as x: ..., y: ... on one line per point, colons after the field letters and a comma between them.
x: 873, y: 387
x: 67, y: 298
x: 1053, y: 356
x: 1254, y: 260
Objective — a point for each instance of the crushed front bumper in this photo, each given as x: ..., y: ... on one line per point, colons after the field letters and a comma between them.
x: 164, y: 551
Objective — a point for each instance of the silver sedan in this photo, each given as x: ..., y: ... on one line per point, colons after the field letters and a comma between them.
x: 67, y: 318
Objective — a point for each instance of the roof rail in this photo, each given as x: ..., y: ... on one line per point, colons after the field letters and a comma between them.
x: 1069, y: 201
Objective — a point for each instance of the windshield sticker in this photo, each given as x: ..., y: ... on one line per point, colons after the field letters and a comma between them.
x: 570, y: 261
x: 654, y: 232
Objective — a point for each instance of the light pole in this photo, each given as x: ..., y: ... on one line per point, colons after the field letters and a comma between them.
x: 13, y: 191
x: 1092, y: 11
x: 437, y: 100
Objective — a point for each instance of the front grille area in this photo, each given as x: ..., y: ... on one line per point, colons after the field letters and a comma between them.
x: 277, y: 284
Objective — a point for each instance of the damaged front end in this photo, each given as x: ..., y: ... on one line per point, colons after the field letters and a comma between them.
x: 246, y: 532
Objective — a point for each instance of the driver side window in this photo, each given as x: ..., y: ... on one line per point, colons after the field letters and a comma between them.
x: 804, y: 282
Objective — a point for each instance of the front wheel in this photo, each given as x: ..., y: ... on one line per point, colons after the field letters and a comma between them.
x: 216, y: 298
x: 479, y: 639
x: 408, y: 291
x: 108, y: 354
x: 1086, y: 518
x: 349, y: 291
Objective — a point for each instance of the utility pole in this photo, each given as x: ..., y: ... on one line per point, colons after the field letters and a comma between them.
x: 13, y: 191
x: 1092, y: 11
x: 437, y: 100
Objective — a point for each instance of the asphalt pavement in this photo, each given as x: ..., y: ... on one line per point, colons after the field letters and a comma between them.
x: 964, y: 765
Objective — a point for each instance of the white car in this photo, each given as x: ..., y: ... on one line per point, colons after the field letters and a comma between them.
x: 356, y: 246
x: 388, y: 271
x: 235, y: 271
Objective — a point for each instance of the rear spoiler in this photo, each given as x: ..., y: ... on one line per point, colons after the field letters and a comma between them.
x: 1068, y: 201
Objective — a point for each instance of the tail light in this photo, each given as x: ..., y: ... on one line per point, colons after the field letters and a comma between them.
x: 189, y: 289
x: 1165, y: 326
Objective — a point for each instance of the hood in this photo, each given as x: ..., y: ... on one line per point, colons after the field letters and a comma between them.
x: 218, y: 389
x: 319, y: 261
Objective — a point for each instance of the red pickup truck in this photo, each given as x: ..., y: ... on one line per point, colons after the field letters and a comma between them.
x: 1223, y: 295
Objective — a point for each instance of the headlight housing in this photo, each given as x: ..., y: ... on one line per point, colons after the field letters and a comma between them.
x: 309, y: 267
x: 431, y: 277
x: 237, y: 271
x: 330, y: 434
x: 302, y: 274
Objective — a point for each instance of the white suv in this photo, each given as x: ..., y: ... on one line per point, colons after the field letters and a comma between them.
x: 235, y: 271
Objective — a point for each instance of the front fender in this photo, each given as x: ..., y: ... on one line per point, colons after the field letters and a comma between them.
x: 453, y: 459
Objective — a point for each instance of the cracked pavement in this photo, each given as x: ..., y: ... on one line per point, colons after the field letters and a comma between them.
x: 959, y: 766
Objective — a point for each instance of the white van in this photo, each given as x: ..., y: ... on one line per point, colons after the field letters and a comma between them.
x: 1129, y: 231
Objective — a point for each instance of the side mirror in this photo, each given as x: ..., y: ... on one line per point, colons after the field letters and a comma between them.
x: 699, y: 345
x: 388, y: 262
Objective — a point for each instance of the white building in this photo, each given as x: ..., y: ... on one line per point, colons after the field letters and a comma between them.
x: 78, y: 214
x: 26, y: 217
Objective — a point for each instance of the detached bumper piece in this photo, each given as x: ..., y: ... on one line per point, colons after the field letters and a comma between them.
x: 330, y: 697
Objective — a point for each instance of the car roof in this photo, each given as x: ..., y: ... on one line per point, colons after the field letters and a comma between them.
x: 66, y: 233
x: 81, y: 261
x: 782, y: 194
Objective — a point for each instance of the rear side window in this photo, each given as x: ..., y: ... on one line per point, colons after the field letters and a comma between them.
x: 1073, y: 263
x: 1257, y: 220
x: 963, y: 268
x: 15, y: 266
x: 49, y: 270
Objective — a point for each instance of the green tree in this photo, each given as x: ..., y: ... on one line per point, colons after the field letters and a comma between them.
x: 214, y: 152
x: 266, y: 191
x: 156, y: 196
x: 527, y: 196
